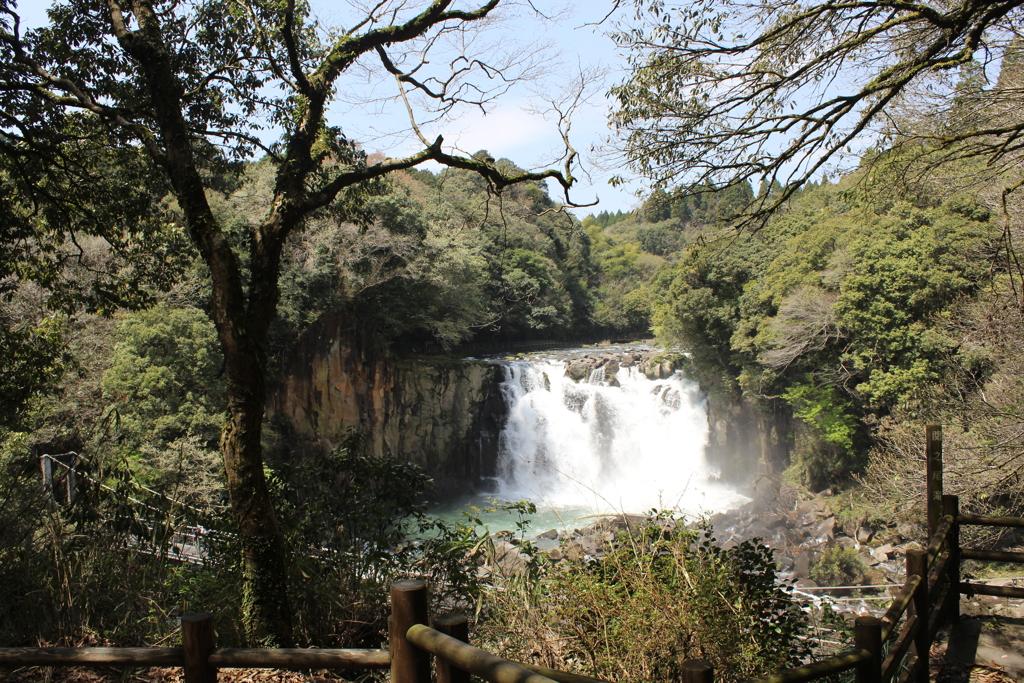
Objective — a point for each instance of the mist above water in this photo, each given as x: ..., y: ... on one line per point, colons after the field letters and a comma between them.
x: 623, y: 444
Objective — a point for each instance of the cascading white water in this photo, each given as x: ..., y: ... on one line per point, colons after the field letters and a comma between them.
x: 597, y: 448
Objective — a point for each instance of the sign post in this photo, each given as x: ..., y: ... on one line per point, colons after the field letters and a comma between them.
x: 933, y: 455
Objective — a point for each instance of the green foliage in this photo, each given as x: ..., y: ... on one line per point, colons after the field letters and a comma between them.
x: 357, y: 522
x: 538, y: 259
x: 824, y: 453
x: 980, y: 408
x: 657, y: 208
x: 703, y: 207
x: 914, y: 264
x: 20, y: 503
x: 100, y: 569
x: 535, y: 300
x: 659, y: 240
x: 628, y: 251
x: 838, y: 566
x: 621, y: 302
x: 105, y: 567
x: 665, y: 594
x: 616, y: 257
x: 604, y: 219
x: 33, y: 358
x: 165, y: 378
x: 823, y: 409
x: 838, y: 307
x: 698, y: 301
x: 442, y: 260
x: 636, y: 309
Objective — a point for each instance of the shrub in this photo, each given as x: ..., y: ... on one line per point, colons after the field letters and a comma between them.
x: 356, y: 523
x: 99, y: 570
x: 104, y: 570
x: 838, y: 566
x: 665, y: 594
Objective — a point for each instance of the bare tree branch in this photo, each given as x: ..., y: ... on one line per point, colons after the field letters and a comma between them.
x: 709, y: 104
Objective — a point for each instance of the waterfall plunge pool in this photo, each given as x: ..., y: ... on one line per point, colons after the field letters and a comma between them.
x: 604, y: 445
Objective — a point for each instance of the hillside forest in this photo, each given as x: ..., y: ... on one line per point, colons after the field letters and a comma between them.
x: 860, y: 305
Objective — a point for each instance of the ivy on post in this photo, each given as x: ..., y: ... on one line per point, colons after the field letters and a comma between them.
x: 933, y: 456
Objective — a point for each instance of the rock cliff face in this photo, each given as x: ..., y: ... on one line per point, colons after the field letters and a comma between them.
x: 747, y: 441
x: 443, y: 415
x: 447, y: 415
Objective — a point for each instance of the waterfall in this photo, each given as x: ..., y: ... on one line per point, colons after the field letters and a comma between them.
x: 608, y: 444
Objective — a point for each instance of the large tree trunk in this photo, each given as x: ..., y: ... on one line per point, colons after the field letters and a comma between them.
x: 266, y: 613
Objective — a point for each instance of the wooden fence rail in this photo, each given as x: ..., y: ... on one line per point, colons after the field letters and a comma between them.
x: 412, y: 643
x: 928, y: 599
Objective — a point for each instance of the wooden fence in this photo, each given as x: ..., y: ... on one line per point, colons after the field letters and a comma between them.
x: 412, y: 645
x: 895, y: 647
x: 891, y: 648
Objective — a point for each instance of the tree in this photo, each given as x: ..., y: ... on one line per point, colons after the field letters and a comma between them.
x: 728, y: 90
x: 31, y: 360
x: 163, y: 96
x: 164, y: 379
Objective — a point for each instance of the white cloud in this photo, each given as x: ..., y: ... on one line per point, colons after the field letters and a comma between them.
x: 508, y: 131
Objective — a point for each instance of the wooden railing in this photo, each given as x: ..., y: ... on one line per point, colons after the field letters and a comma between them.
x: 891, y: 648
x: 198, y: 655
x: 412, y: 643
x: 929, y: 598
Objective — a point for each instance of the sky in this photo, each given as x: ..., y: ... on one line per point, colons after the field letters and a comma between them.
x: 514, y: 126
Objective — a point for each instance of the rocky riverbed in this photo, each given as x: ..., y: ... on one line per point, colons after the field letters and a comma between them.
x: 798, y: 531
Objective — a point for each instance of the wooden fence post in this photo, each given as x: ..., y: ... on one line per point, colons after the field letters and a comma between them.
x: 456, y: 626
x: 951, y: 507
x: 697, y: 671
x: 409, y: 664
x: 917, y: 565
x: 198, y: 641
x: 933, y: 456
x: 867, y: 635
